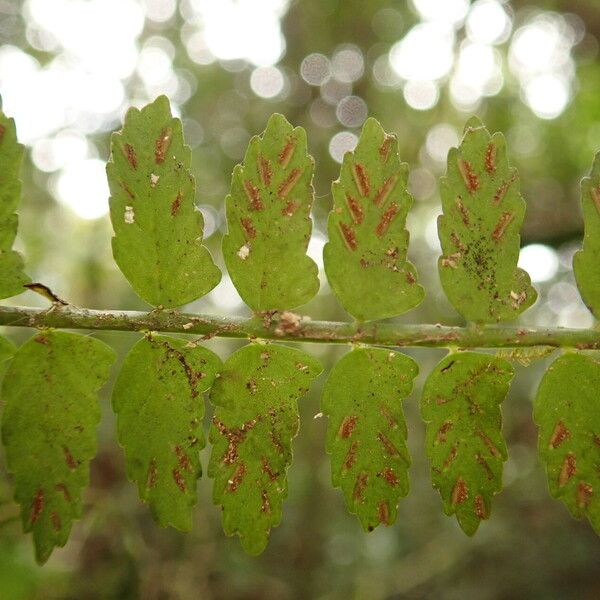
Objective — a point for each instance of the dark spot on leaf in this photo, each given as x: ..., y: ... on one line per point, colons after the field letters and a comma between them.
x: 385, y: 412
x: 351, y: 456
x: 456, y: 241
x: 126, y: 189
x: 485, y: 466
x: 276, y: 442
x: 386, y: 189
x: 388, y: 445
x: 347, y: 427
x: 503, y: 222
x: 264, y: 170
x: 234, y: 436
x: 152, y: 475
x: 489, y: 444
x: 559, y: 435
x: 460, y: 492
x: 162, y: 145
x: 386, y: 219
x: 569, y: 468
x: 501, y: 191
x: 584, y: 494
x: 252, y: 386
x: 183, y: 460
x: 464, y: 213
x: 175, y: 205
x: 389, y: 475
x: 286, y: 153
x: 359, y: 487
x: 179, y: 480
x: 384, y: 149
x: 290, y: 208
x: 267, y: 469
x: 356, y: 211
x: 249, y: 228
x: 349, y: 236
x: 38, y: 505
x: 71, y: 462
x: 288, y: 184
x: 253, y: 194
x: 480, y: 511
x: 451, y: 456
x: 383, y: 511
x: 443, y: 430
x: 490, y: 158
x: 235, y: 482
x: 130, y: 155
x: 469, y: 176
x: 361, y: 179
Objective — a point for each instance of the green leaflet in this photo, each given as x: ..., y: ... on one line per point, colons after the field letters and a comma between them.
x: 255, y: 420
x: 268, y: 220
x: 479, y: 230
x: 158, y: 231
x: 461, y: 406
x: 49, y: 429
x: 585, y: 262
x: 365, y: 258
x: 12, y: 277
x: 159, y: 405
x: 567, y: 412
x: 366, y: 431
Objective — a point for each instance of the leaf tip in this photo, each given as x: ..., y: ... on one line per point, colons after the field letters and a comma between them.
x: 473, y: 124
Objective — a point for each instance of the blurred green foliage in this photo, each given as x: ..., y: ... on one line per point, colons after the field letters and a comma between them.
x: 530, y: 548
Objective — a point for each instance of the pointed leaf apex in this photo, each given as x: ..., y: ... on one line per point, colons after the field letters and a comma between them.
x: 474, y: 123
x: 277, y: 120
x: 372, y: 124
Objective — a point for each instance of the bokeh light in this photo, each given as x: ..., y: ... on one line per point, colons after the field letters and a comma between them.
x: 540, y: 261
x: 315, y: 69
x: 267, y: 82
x: 540, y: 57
x: 448, y: 11
x: 352, y: 111
x: 240, y: 29
x: 488, y: 22
x: 83, y: 187
x: 342, y: 142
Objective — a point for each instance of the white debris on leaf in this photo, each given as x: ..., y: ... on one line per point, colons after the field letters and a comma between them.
x: 154, y: 180
x: 129, y: 215
x: 244, y: 251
